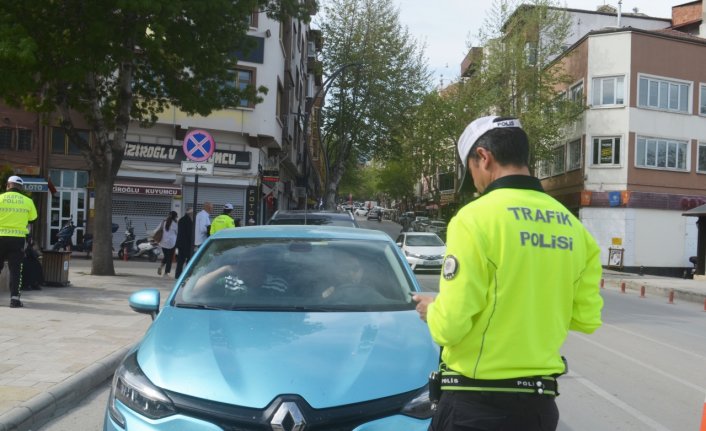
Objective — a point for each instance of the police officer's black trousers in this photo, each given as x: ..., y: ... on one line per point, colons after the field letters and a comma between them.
x: 12, y: 250
x: 497, y: 411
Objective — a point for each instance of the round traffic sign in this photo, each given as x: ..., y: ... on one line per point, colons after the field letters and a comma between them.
x: 198, y: 145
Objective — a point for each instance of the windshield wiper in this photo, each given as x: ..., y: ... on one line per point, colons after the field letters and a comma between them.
x: 197, y: 306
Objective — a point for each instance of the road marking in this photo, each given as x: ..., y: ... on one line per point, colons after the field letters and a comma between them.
x: 671, y: 347
x: 617, y: 402
x: 641, y: 363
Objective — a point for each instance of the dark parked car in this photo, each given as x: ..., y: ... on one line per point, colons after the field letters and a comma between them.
x: 328, y: 218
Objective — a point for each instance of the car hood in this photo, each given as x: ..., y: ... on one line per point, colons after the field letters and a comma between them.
x: 249, y: 358
x: 427, y: 251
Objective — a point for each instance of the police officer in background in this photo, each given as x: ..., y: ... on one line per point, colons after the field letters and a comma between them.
x: 223, y: 221
x: 16, y: 211
x: 520, y: 271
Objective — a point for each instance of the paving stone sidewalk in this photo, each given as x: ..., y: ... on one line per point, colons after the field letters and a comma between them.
x: 68, y: 340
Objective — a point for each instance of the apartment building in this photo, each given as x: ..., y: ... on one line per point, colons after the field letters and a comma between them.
x: 636, y: 160
x: 258, y: 160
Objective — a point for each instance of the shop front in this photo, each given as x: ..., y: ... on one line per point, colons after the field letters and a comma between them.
x: 144, y: 205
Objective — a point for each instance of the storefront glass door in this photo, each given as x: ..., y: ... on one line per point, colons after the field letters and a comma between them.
x: 68, y: 204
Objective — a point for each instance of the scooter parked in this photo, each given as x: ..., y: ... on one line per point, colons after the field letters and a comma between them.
x: 64, y: 236
x: 64, y: 239
x: 134, y: 248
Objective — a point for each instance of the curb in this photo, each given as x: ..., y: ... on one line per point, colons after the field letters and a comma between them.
x: 679, y: 292
x: 39, y: 410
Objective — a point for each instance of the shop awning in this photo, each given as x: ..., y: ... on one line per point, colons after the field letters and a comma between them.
x: 696, y: 212
x: 36, y: 184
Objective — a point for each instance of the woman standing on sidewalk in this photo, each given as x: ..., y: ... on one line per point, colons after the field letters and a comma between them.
x: 169, y: 229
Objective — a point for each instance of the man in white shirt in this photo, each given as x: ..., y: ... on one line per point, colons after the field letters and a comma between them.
x: 203, y: 223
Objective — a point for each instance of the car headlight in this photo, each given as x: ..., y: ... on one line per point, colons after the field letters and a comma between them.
x: 410, y: 254
x: 420, y: 406
x: 132, y: 388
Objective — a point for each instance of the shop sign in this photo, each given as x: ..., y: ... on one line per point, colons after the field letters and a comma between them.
x: 251, y: 205
x: 170, y: 154
x: 146, y: 190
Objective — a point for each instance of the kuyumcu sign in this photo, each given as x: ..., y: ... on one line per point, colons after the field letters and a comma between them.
x: 172, y: 154
x: 130, y: 189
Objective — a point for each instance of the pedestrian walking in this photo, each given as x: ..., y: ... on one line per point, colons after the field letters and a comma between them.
x: 520, y: 271
x: 169, y: 228
x: 203, y: 224
x: 185, y: 235
x: 224, y: 220
x: 16, y: 212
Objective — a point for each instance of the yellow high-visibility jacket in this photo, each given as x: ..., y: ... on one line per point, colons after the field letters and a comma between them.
x: 16, y: 211
x: 221, y: 222
x: 520, y: 271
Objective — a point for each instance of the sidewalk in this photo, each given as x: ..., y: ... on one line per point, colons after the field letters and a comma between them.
x: 68, y: 340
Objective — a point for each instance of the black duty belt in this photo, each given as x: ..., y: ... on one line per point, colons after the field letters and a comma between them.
x: 541, y: 385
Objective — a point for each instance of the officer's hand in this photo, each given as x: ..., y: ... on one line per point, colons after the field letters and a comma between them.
x: 423, y: 302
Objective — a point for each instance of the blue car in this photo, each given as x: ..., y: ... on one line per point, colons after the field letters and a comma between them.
x: 281, y: 328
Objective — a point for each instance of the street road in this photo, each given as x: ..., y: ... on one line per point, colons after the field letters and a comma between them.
x: 642, y: 370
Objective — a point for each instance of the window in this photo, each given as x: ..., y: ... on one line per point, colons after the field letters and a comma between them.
x: 61, y: 144
x: 606, y: 151
x: 663, y: 94
x: 12, y: 138
x: 701, y: 163
x: 576, y: 93
x: 252, y: 19
x: 608, y: 91
x: 702, y: 98
x: 574, y: 155
x: 558, y: 161
x: 661, y: 153
x: 242, y: 78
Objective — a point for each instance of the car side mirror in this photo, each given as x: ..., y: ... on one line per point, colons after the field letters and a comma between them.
x: 145, y: 301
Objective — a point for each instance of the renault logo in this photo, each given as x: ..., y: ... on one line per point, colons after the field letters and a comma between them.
x: 288, y: 418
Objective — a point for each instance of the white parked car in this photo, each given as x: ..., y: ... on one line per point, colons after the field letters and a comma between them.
x: 361, y: 211
x: 423, y: 250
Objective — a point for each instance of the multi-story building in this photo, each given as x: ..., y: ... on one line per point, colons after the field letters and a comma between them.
x: 636, y: 160
x: 259, y: 154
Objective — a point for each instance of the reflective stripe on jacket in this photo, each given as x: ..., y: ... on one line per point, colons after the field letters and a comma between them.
x: 527, y: 271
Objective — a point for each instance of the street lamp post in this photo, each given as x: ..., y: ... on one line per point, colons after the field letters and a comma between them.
x: 321, y: 92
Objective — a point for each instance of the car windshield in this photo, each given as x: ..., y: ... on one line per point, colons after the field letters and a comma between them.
x: 438, y: 223
x: 424, y: 241
x: 297, y: 274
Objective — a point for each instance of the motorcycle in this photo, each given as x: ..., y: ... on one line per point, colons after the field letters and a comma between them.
x: 131, y: 247
x: 65, y: 239
x: 64, y: 236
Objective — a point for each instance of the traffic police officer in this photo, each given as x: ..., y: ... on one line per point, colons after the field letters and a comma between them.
x: 520, y: 271
x: 16, y: 211
x: 223, y: 221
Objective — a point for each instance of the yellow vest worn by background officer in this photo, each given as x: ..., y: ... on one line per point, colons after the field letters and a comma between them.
x: 221, y: 222
x: 16, y: 210
x: 519, y: 273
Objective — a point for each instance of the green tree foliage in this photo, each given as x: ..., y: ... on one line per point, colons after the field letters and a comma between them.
x: 116, y: 61
x: 385, y: 76
x: 519, y: 77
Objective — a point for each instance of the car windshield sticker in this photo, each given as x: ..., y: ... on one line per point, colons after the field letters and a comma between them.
x: 450, y: 267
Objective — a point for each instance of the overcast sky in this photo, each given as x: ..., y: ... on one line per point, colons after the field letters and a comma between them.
x: 446, y: 26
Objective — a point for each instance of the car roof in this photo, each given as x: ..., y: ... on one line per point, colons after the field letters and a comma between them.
x: 419, y: 233
x: 283, y: 215
x: 302, y: 231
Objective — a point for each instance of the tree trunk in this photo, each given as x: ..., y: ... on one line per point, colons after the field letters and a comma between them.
x: 102, y: 222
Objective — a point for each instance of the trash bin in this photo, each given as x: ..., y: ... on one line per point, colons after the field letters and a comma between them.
x: 55, y: 265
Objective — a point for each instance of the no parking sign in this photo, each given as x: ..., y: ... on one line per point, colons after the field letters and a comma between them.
x: 198, y: 145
